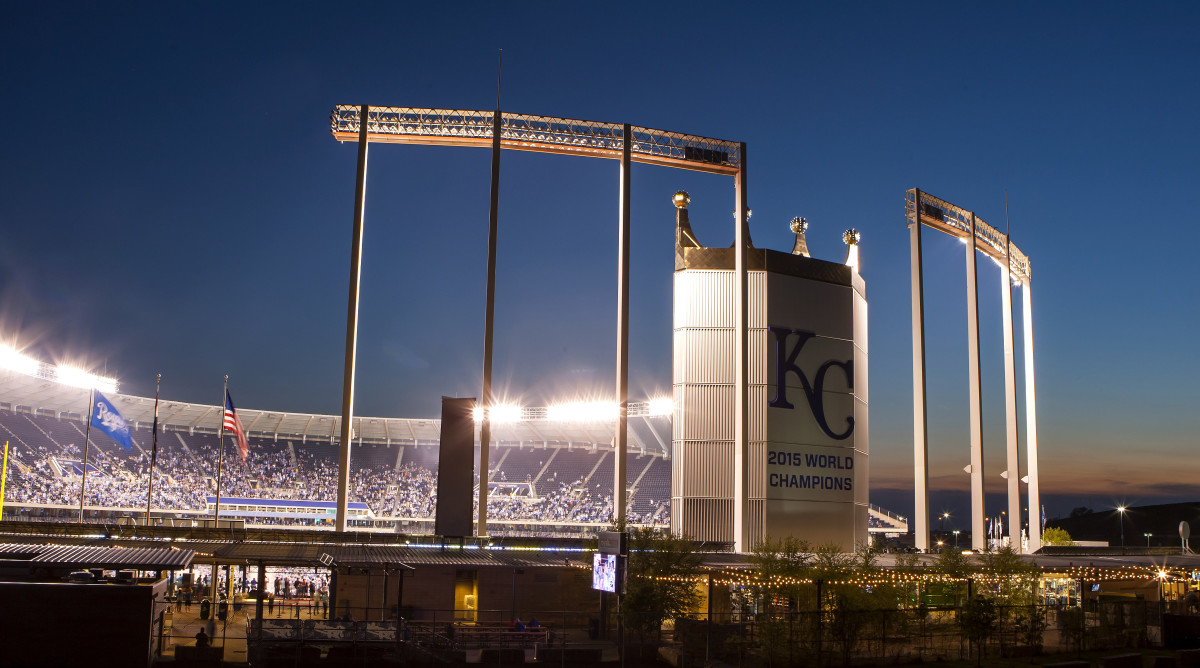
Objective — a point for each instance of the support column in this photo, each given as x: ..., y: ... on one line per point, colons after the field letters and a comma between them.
x: 975, y: 393
x: 1010, y: 406
x: 620, y: 443
x: 485, y: 425
x: 259, y: 595
x: 920, y: 411
x: 741, y: 365
x: 1031, y: 453
x: 360, y: 201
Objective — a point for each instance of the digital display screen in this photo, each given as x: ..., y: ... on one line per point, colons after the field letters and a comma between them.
x: 604, y: 572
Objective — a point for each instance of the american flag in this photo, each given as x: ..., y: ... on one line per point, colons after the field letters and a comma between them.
x: 232, y: 423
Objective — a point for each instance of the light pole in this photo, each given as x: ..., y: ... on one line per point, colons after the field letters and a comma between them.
x: 956, y: 539
x: 1121, y: 519
x: 1147, y: 535
x: 945, y: 516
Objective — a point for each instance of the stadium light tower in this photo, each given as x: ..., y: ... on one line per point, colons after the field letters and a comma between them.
x: 924, y: 210
x: 624, y: 142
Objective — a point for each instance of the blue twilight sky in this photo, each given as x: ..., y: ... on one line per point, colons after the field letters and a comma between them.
x: 172, y: 202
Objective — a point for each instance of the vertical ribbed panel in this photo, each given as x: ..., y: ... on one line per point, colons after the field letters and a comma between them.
x: 757, y: 521
x: 707, y: 469
x: 708, y: 358
x: 703, y: 388
x: 758, y: 356
x: 758, y: 470
x: 758, y: 299
x: 706, y: 413
x: 758, y: 413
x: 703, y: 299
x: 708, y: 519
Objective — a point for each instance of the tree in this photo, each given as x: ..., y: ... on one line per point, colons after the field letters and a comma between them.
x: 1013, y: 578
x: 957, y: 568
x: 1012, y: 581
x: 1056, y: 536
x: 978, y: 622
x: 781, y: 564
x: 660, y: 580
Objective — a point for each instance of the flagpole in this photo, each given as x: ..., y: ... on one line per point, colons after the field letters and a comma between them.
x: 87, y: 435
x: 221, y: 450
x: 220, y: 463
x: 153, y: 448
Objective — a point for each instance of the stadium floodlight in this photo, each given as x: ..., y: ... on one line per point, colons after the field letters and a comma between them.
x: 79, y: 378
x: 660, y: 407
x: 500, y: 413
x: 583, y: 411
x: 14, y: 361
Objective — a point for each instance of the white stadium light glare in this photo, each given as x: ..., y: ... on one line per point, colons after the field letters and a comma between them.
x: 583, y: 411
x: 14, y: 361
x: 500, y: 413
x: 79, y: 378
x: 661, y: 407
x: 74, y: 377
x: 577, y: 411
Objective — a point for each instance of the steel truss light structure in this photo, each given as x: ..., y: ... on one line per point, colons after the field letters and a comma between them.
x: 624, y: 142
x: 922, y: 209
x: 522, y: 132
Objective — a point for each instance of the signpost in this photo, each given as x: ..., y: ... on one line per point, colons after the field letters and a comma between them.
x: 617, y: 543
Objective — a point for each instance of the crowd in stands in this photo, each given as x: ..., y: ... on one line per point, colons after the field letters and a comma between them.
x: 46, y: 460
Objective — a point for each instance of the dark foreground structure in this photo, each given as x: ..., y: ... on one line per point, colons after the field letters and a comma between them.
x: 369, y: 599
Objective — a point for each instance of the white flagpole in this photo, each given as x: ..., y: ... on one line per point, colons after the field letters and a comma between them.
x: 220, y: 463
x: 221, y: 451
x: 87, y: 435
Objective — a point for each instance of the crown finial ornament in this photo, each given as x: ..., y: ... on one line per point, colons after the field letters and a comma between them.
x: 681, y: 199
x: 851, y: 237
x: 799, y: 226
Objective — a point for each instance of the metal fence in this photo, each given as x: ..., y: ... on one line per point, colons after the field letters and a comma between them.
x: 296, y: 632
x: 301, y: 632
x: 836, y: 637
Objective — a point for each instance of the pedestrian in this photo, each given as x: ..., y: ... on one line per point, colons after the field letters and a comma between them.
x: 271, y: 603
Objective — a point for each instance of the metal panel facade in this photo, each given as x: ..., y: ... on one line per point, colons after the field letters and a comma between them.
x: 808, y: 472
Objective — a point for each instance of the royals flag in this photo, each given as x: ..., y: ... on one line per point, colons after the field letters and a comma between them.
x: 232, y: 423
x: 107, y: 419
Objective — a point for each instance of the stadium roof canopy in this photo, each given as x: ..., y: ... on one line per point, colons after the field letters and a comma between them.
x: 90, y: 556
x: 29, y: 394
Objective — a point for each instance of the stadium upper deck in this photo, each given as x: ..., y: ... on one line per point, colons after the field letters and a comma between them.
x: 649, y: 431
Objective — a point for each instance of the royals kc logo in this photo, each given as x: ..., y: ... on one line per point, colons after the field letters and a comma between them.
x: 785, y: 363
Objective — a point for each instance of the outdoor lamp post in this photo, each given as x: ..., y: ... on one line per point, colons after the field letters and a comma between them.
x: 1147, y: 535
x: 956, y: 539
x: 1121, y: 519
